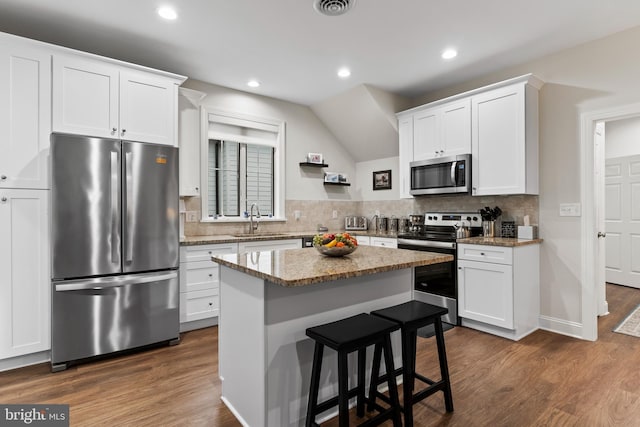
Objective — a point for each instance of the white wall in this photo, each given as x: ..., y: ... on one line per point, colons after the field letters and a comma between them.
x: 364, y: 179
x: 597, y: 75
x: 623, y: 138
x: 304, y: 133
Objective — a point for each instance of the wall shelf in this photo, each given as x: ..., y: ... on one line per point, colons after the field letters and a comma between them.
x: 316, y: 165
x: 337, y: 183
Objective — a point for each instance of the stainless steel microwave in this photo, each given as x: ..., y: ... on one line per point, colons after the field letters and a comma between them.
x: 442, y: 175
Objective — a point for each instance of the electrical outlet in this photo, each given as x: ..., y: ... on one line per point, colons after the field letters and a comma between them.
x: 192, y: 216
x: 334, y: 214
x: 297, y: 215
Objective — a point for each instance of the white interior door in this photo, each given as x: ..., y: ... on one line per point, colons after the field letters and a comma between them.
x: 622, y: 220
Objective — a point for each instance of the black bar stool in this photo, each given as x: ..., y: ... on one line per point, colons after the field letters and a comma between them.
x: 345, y: 336
x: 411, y: 316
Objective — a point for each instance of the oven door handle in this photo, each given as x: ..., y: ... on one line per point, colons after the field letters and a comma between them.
x: 427, y: 243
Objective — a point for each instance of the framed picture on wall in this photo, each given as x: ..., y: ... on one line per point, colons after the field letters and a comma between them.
x: 314, y: 158
x: 382, y: 180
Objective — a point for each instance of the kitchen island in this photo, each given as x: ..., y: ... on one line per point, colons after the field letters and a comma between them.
x: 267, y: 301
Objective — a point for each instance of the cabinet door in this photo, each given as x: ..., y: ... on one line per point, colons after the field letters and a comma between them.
x: 405, y: 137
x: 455, y: 129
x: 498, y: 142
x: 24, y: 272
x: 25, y: 116
x: 485, y: 292
x: 189, y: 140
x: 85, y: 97
x: 148, y: 111
x: 426, y: 143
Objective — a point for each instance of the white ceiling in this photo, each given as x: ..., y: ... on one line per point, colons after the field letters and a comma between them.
x: 294, y: 51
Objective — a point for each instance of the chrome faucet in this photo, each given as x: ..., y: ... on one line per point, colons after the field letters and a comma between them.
x: 252, y: 226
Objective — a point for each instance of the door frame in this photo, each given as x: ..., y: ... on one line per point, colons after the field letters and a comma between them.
x: 589, y: 225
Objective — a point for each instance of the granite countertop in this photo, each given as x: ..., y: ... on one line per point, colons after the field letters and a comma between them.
x: 244, y: 237
x: 499, y: 241
x: 300, y: 267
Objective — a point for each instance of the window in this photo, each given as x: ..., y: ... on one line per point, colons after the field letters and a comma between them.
x: 242, y: 164
x: 239, y: 175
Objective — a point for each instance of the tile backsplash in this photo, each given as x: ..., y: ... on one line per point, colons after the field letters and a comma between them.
x: 312, y: 212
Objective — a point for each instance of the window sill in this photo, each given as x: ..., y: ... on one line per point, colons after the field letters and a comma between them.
x: 229, y: 220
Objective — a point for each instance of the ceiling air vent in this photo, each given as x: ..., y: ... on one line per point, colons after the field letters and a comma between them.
x: 333, y: 7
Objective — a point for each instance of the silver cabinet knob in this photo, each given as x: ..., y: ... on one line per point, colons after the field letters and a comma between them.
x: 123, y: 131
x: 4, y: 200
x: 113, y: 131
x: 3, y: 177
x: 601, y: 234
x: 435, y: 152
x: 441, y: 151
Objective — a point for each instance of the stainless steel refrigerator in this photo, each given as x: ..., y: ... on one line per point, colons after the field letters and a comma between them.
x: 115, y: 246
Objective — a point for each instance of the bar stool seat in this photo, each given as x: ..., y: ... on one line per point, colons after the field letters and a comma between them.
x: 347, y: 335
x: 411, y: 316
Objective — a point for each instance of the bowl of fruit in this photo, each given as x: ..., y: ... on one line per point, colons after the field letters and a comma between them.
x: 339, y: 244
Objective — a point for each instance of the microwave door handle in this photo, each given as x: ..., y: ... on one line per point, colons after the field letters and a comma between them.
x: 453, y: 173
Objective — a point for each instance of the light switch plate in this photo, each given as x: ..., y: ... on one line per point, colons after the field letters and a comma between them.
x: 570, y: 209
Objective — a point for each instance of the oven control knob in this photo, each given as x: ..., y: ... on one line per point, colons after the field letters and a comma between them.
x: 468, y: 218
x: 475, y: 218
x: 435, y: 218
x: 429, y: 217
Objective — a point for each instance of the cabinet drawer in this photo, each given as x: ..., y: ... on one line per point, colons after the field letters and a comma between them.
x: 495, y: 254
x: 386, y: 242
x: 198, y: 305
x: 204, y: 252
x: 198, y: 277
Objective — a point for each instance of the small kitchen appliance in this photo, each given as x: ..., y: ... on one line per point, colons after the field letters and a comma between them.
x: 352, y: 223
x: 442, y: 175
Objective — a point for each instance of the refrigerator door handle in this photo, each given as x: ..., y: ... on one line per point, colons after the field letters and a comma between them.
x: 115, y: 256
x: 129, y: 237
x: 114, y: 282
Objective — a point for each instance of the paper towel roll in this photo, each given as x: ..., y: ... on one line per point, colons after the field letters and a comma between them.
x: 526, y: 220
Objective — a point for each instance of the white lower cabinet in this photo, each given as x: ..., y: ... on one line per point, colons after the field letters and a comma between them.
x: 25, y: 281
x: 499, y: 289
x: 199, y: 284
x: 387, y: 242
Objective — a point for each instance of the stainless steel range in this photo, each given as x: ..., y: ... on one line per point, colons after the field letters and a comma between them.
x: 437, y: 284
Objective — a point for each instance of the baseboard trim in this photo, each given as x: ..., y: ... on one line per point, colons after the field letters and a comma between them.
x: 26, y: 360
x: 198, y: 324
x: 560, y: 326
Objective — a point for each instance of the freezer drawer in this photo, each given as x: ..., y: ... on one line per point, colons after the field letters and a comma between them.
x: 100, y: 316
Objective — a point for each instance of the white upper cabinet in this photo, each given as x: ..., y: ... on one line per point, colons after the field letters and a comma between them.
x: 98, y: 98
x: 25, y: 114
x: 442, y: 131
x: 189, y: 140
x: 504, y: 156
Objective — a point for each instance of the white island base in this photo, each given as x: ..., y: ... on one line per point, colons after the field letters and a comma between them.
x: 265, y: 357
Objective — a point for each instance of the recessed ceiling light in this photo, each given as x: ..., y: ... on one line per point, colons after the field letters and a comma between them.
x: 167, y: 13
x: 343, y: 73
x: 449, y: 54
x: 253, y: 83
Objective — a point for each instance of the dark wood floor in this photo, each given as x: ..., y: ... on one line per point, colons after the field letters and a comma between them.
x: 543, y: 380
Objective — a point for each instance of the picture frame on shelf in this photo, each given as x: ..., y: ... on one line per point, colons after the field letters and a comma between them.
x: 315, y: 158
x: 335, y: 177
x: 382, y: 180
